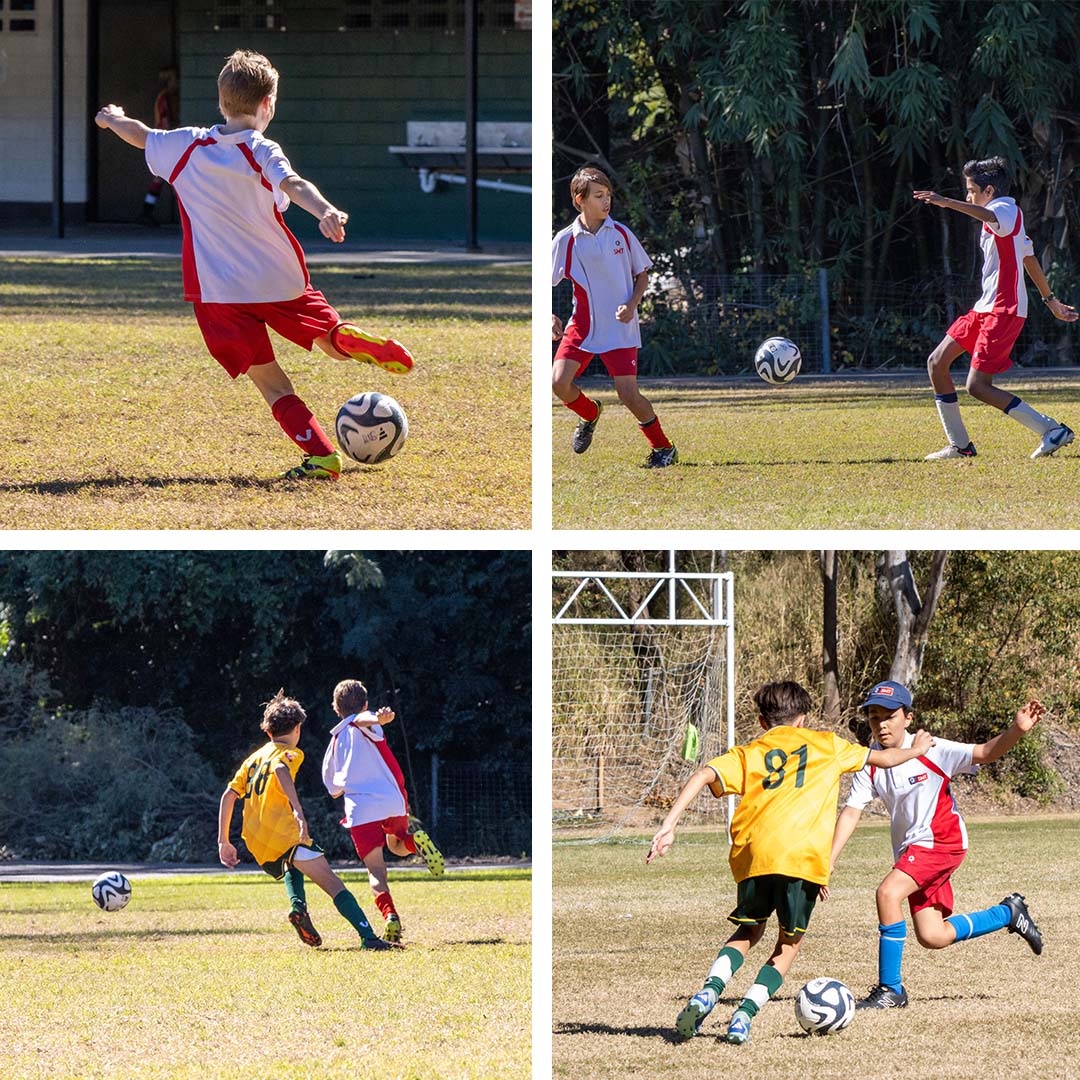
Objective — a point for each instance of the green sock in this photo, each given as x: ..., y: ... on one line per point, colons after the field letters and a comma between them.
x: 346, y: 904
x: 294, y: 886
x: 727, y: 963
x: 768, y: 982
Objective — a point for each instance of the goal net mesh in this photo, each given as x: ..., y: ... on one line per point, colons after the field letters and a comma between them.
x: 623, y: 699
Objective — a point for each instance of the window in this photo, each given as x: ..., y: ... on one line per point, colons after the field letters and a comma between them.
x: 18, y: 16
x: 427, y: 14
x: 249, y: 15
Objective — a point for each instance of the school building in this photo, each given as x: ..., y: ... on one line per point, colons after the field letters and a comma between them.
x: 371, y: 105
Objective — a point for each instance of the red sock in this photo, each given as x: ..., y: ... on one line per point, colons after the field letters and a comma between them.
x: 409, y: 842
x: 584, y: 407
x: 652, y: 431
x: 297, y: 422
x: 385, y: 903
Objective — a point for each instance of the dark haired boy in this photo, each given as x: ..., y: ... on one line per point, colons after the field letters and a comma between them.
x: 275, y: 829
x: 610, y: 272
x: 789, y: 780
x: 929, y: 839
x: 989, y: 330
x: 359, y: 765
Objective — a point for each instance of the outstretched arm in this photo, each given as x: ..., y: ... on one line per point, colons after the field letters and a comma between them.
x: 1000, y: 745
x: 980, y: 213
x: 226, y: 852
x: 665, y: 837
x: 1058, y: 308
x: 308, y: 197
x: 888, y: 759
x: 383, y: 716
x: 131, y: 131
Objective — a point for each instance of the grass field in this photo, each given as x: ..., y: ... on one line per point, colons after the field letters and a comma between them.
x: 817, y: 454
x: 113, y: 415
x: 633, y: 943
x: 204, y: 978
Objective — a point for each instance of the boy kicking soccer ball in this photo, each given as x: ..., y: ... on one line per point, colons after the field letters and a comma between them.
x: 789, y: 780
x: 243, y: 269
x: 359, y: 765
x: 275, y: 829
x: 609, y: 271
x: 928, y: 838
x: 989, y: 330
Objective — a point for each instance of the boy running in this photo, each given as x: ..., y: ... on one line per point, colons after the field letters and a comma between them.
x: 359, y: 765
x: 989, y: 330
x: 243, y: 269
x: 928, y: 838
x: 789, y: 780
x: 610, y: 272
x: 275, y: 829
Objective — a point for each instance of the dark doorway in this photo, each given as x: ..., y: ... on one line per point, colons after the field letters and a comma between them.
x: 136, y: 39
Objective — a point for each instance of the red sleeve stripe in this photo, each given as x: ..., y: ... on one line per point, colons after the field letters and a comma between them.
x: 187, y: 154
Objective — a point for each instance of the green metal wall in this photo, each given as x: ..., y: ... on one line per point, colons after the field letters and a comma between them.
x: 345, y: 96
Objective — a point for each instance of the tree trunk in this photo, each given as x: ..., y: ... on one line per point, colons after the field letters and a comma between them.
x: 913, y: 613
x: 830, y: 693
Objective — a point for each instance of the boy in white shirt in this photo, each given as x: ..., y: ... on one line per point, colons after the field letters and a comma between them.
x: 243, y: 269
x: 990, y: 329
x: 359, y: 765
x: 929, y: 839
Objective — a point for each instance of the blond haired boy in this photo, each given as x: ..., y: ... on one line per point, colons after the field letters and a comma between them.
x: 243, y: 269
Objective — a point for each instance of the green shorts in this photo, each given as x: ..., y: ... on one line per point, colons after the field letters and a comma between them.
x: 792, y: 899
x: 277, y: 867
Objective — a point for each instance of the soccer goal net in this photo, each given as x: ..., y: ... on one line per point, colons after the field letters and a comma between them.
x: 643, y: 692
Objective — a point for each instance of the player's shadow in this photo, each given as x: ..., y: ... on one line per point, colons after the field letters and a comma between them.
x: 104, y: 483
x: 69, y: 937
x: 886, y: 460
x: 668, y: 1034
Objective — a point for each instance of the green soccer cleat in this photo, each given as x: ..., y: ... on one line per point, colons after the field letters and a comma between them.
x: 326, y: 467
x: 386, y: 353
x: 392, y: 929
x: 301, y: 920
x: 436, y: 864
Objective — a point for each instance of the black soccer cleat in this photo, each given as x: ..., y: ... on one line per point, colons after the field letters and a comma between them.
x: 883, y: 997
x: 584, y: 432
x: 305, y: 928
x: 661, y: 457
x: 1021, y: 922
x: 376, y: 944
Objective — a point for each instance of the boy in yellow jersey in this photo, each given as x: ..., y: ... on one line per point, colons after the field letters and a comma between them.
x: 275, y: 829
x: 789, y: 780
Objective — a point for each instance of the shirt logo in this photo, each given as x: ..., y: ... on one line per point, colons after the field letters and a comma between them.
x: 918, y: 779
x: 619, y: 249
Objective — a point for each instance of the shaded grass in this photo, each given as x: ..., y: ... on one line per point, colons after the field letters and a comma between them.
x: 817, y: 454
x: 633, y: 943
x: 203, y: 977
x: 113, y: 415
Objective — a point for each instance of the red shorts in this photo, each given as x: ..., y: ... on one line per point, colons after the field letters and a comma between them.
x: 988, y: 337
x: 931, y: 870
x: 236, y: 334
x: 617, y: 361
x: 369, y: 836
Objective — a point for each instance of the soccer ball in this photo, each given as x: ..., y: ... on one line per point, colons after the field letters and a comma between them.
x: 824, y: 1006
x: 111, y: 891
x: 778, y: 360
x: 371, y: 428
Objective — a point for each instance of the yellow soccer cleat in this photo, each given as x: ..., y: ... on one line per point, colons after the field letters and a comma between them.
x: 312, y: 467
x: 386, y: 353
x: 436, y: 864
x: 392, y: 929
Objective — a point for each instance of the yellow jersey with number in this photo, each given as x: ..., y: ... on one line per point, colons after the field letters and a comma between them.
x: 269, y: 828
x: 789, y: 780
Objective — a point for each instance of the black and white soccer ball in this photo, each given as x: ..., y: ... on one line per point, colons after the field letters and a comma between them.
x: 778, y: 360
x: 824, y: 1006
x: 111, y: 891
x: 371, y: 428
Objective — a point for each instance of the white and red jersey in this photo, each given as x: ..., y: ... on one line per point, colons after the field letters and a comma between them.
x: 918, y: 797
x: 236, y: 248
x: 1004, y: 246
x: 602, y: 267
x: 360, y: 765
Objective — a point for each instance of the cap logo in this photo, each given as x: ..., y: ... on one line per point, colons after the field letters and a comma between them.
x: 884, y: 691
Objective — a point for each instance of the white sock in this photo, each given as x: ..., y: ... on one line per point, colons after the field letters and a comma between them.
x: 949, y: 411
x: 1023, y: 413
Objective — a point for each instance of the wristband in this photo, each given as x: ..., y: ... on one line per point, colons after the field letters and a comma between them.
x: 1048, y: 297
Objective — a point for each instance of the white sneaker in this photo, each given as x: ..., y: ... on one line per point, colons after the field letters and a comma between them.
x: 952, y: 451
x: 1053, y: 441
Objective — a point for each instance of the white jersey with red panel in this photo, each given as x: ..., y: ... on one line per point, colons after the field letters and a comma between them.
x: 1004, y: 247
x: 602, y: 267
x: 917, y: 795
x: 236, y: 247
x: 356, y: 764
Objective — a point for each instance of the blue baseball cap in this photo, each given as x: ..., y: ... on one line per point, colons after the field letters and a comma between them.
x: 892, y: 695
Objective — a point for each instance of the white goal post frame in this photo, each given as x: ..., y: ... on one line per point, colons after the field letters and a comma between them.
x: 717, y: 610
